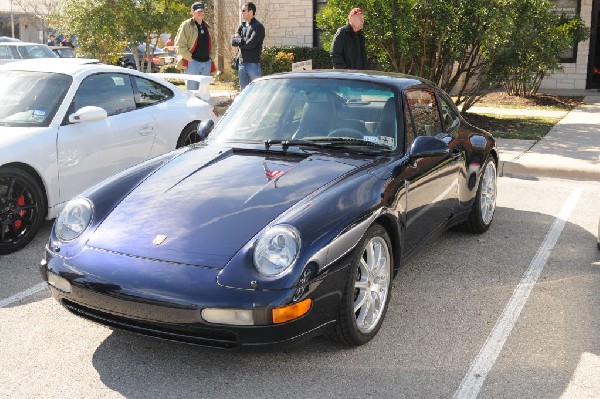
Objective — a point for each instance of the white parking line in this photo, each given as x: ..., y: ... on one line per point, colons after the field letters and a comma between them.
x: 473, y: 380
x: 22, y: 295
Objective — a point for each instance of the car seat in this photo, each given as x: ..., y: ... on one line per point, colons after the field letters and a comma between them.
x: 318, y: 119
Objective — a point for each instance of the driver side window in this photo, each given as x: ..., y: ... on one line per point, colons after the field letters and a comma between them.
x: 110, y: 91
x: 424, y: 110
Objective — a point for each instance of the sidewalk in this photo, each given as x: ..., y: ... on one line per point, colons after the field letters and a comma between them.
x: 218, y: 97
x: 570, y: 150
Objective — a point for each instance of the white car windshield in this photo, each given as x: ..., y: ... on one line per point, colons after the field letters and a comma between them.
x: 31, y: 98
x: 338, y: 112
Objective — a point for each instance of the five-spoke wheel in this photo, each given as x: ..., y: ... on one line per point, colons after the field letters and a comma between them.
x: 22, y: 209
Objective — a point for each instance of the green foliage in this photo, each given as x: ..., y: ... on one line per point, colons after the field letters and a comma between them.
x: 538, y: 38
x: 105, y: 27
x: 460, y: 44
x: 278, y: 59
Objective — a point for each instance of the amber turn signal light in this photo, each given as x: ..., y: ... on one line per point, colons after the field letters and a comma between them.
x: 291, y: 312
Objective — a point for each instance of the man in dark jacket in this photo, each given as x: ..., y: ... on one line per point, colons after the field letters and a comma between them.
x: 348, y: 46
x: 249, y: 38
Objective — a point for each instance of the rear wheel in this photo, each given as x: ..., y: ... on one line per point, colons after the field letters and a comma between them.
x: 484, y: 206
x: 367, y: 292
x: 22, y: 209
x: 188, y: 136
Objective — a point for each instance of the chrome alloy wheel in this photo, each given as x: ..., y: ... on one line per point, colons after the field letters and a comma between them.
x: 371, y: 285
x: 488, y: 193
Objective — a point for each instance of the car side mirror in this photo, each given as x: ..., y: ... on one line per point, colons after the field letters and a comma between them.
x: 88, y: 114
x: 204, y: 128
x: 427, y: 146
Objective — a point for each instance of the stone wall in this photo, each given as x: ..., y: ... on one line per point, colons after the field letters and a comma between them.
x: 287, y: 23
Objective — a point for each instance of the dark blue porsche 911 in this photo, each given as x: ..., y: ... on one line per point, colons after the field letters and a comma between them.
x: 288, y: 221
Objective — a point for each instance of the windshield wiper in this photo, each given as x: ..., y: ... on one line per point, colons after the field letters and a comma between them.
x: 323, y: 142
x: 349, y: 141
x: 285, y: 144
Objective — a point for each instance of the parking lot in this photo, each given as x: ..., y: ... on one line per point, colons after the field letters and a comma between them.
x: 510, y: 313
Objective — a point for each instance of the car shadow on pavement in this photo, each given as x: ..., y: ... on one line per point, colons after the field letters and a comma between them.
x: 444, y: 304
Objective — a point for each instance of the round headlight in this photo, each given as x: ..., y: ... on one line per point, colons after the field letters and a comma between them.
x: 74, y: 219
x: 276, y: 250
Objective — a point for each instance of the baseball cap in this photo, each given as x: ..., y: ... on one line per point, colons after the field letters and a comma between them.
x: 197, y: 6
x: 355, y: 11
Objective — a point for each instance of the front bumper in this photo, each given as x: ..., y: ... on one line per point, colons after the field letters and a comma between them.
x: 165, y: 300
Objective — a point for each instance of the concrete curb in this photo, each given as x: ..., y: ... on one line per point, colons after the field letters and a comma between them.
x: 535, y: 171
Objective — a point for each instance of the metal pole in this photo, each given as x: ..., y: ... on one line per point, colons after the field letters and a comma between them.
x: 12, y: 19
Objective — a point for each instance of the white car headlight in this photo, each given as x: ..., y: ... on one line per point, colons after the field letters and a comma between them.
x: 276, y: 250
x: 74, y: 219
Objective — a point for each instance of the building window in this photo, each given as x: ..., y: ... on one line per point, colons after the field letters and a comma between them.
x: 571, y: 8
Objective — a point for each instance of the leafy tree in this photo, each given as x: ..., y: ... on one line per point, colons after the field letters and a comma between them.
x: 105, y: 27
x: 458, y: 44
x: 538, y: 37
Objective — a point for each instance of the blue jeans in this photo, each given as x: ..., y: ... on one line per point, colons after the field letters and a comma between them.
x: 197, y: 68
x: 248, y: 72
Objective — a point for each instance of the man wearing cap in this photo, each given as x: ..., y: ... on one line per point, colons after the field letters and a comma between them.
x: 194, y: 46
x: 348, y: 46
x: 249, y: 38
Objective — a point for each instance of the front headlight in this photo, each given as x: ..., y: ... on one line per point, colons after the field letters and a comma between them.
x: 74, y: 219
x: 276, y: 250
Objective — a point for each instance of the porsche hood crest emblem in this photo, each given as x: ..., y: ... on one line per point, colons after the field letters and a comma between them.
x: 159, y: 239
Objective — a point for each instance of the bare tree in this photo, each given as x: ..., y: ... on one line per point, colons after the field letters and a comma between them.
x: 41, y: 11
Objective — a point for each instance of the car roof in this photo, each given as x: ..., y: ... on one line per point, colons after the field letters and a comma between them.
x: 20, y: 43
x: 391, y: 78
x: 68, y: 66
x: 9, y: 39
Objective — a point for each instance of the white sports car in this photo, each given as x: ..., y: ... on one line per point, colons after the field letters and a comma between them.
x: 68, y: 123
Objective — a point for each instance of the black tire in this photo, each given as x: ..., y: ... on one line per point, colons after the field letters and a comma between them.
x: 374, y: 289
x: 22, y: 209
x: 484, y: 206
x: 188, y: 136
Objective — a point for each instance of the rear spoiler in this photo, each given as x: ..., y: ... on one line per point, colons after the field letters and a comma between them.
x: 203, y: 91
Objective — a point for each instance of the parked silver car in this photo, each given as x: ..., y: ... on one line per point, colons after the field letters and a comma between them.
x: 13, y: 51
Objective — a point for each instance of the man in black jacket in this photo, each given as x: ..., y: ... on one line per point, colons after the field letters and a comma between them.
x: 249, y: 38
x: 348, y: 46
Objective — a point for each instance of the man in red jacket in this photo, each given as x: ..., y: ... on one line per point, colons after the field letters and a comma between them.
x: 194, y: 45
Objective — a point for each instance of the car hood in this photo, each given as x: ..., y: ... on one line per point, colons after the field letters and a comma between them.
x: 204, y: 205
x: 10, y: 135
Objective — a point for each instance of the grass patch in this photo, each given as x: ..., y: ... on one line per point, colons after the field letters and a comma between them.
x: 539, y: 101
x: 513, y: 127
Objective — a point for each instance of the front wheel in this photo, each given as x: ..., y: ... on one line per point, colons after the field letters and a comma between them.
x: 367, y: 291
x: 22, y: 209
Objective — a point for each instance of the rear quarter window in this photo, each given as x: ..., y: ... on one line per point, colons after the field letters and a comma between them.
x: 149, y: 92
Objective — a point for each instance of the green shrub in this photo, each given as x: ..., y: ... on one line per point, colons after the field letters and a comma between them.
x: 169, y: 68
x: 278, y: 59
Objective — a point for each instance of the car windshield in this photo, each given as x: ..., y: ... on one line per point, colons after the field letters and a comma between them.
x: 31, y: 98
x: 313, y: 111
x: 35, y: 51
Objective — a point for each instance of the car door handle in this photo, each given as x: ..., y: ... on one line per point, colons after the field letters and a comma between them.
x: 147, y: 129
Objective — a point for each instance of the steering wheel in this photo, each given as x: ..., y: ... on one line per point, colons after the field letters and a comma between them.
x: 347, y: 132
